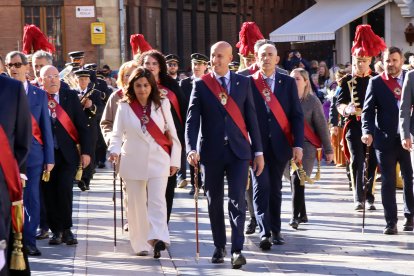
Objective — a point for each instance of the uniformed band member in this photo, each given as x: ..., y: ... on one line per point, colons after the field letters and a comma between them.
x: 380, y: 126
x: 234, y: 66
x: 350, y: 102
x: 173, y: 66
x: 101, y: 88
x: 198, y: 67
x: 221, y: 106
x: 71, y: 136
x: 248, y: 37
x: 77, y: 57
x: 91, y: 101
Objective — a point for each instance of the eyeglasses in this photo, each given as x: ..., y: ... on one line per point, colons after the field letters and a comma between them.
x: 16, y: 65
x: 51, y: 77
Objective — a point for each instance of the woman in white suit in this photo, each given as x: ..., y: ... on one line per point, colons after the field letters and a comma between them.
x: 145, y: 136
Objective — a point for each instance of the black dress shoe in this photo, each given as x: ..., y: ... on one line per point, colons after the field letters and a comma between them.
x: 126, y: 227
x: 218, y: 256
x: 101, y: 165
x: 237, y: 260
x: 277, y: 238
x: 192, y: 191
x: 391, y: 229
x: 251, y: 227
x: 303, y: 219
x: 42, y: 234
x: 68, y: 237
x: 33, y: 251
x: 371, y: 206
x: 56, y: 238
x: 408, y: 224
x: 294, y: 223
x: 81, y: 185
x: 158, y: 247
x: 358, y: 207
x: 265, y: 243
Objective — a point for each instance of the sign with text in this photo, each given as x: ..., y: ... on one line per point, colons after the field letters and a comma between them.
x: 98, y: 33
x: 85, y: 11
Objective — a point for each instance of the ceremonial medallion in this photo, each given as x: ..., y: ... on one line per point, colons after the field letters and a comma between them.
x: 397, y: 91
x: 144, y: 129
x: 52, y: 104
x: 53, y: 114
x: 163, y: 93
x: 266, y: 92
x: 223, y: 98
x: 145, y: 119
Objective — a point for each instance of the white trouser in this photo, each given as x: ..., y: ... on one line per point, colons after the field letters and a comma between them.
x: 147, y: 212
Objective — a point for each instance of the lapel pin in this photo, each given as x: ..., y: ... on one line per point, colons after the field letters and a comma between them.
x: 280, y: 81
x: 237, y: 83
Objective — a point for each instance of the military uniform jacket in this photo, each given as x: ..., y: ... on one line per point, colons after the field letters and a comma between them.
x: 355, y: 85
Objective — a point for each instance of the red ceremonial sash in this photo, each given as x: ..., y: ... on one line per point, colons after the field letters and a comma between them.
x: 173, y: 100
x: 230, y: 106
x: 253, y: 69
x: 37, y: 134
x: 120, y: 93
x: 10, y: 169
x: 152, y: 128
x: 311, y: 136
x: 392, y: 84
x: 63, y: 118
x: 344, y: 142
x: 274, y: 105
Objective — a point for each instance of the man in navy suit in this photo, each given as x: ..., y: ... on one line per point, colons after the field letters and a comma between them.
x: 278, y: 145
x: 41, y: 150
x: 223, y: 102
x: 15, y: 121
x: 380, y: 124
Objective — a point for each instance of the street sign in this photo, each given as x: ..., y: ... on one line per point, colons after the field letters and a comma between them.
x: 85, y: 11
x: 98, y: 36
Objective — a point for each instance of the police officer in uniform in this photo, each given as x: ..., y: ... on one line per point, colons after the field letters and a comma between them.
x: 349, y: 103
x: 93, y: 105
x: 172, y: 66
x: 101, y: 88
x: 199, y: 67
x: 77, y: 57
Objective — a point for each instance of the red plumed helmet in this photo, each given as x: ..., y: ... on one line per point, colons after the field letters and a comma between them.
x: 34, y: 38
x: 367, y: 43
x: 139, y: 44
x: 248, y: 35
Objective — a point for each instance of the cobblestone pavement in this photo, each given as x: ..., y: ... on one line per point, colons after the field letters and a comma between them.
x: 331, y: 243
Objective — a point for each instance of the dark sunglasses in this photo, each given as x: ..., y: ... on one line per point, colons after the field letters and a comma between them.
x: 17, y: 65
x: 172, y: 64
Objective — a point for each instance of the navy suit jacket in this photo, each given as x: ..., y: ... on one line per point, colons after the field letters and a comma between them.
x: 380, y: 115
x: 39, y: 154
x: 15, y: 121
x: 273, y: 138
x: 215, y: 122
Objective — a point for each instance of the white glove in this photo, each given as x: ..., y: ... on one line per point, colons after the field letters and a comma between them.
x: 2, y: 259
x: 350, y: 109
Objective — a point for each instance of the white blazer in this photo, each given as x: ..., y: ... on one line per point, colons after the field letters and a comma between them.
x: 141, y: 156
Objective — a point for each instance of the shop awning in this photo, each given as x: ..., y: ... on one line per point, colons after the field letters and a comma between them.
x: 322, y: 20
